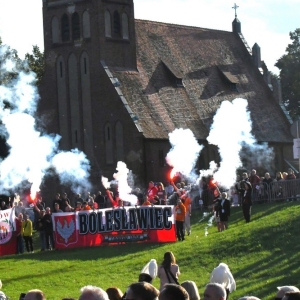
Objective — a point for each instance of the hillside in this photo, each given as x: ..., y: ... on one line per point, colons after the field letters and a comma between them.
x: 262, y: 255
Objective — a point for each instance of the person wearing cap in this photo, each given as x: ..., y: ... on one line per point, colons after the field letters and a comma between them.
x: 247, y: 200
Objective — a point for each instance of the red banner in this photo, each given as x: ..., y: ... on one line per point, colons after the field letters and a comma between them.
x: 114, y: 226
x: 7, y: 232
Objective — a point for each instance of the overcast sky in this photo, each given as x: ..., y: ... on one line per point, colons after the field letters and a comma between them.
x: 266, y: 22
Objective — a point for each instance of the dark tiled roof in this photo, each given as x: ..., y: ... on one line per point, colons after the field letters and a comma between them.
x: 210, y: 64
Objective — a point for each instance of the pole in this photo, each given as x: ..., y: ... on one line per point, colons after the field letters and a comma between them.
x: 298, y: 146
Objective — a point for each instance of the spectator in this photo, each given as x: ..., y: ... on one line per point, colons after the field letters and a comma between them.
x: 214, y: 291
x: 168, y: 271
x: 20, y: 209
x: 152, y: 191
x: 85, y: 206
x: 47, y: 222
x: 284, y: 289
x: 146, y: 201
x: 38, y: 206
x: 78, y: 198
x: 78, y: 206
x: 291, y: 296
x: 35, y: 295
x: 64, y: 202
x: 117, y: 202
x: 20, y: 244
x: 223, y: 211
x: 100, y: 200
x: 40, y: 227
x: 3, y: 205
x: 57, y: 200
x: 180, y: 211
x: 149, y: 271
x: 247, y: 201
x: 57, y: 208
x: 162, y: 194
x: 27, y: 233
x: 290, y: 174
x: 114, y: 293
x: 169, y: 189
x: 142, y: 291
x: 174, y: 292
x: 90, y: 292
x: 187, y: 202
x: 191, y: 288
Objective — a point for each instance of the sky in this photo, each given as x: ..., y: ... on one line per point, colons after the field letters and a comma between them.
x: 265, y: 22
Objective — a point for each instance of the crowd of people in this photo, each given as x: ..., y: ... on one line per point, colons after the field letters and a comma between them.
x: 221, y: 285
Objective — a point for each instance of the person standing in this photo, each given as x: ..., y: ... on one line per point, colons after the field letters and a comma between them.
x: 40, y: 227
x: 161, y: 193
x: 47, y: 221
x: 247, y: 200
x: 20, y: 244
x: 180, y: 211
x: 223, y: 211
x: 151, y: 192
x: 187, y: 202
x: 168, y: 271
x: 27, y: 233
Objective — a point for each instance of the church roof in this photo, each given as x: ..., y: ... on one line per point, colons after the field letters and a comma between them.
x: 184, y: 73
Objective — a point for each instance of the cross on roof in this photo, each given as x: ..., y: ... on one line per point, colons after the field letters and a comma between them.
x: 235, y: 7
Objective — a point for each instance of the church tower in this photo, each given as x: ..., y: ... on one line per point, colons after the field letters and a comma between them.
x: 80, y: 37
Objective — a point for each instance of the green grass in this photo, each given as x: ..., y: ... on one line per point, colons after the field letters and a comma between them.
x: 262, y: 255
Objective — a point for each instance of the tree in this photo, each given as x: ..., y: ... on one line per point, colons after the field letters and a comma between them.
x: 289, y: 66
x: 36, y: 62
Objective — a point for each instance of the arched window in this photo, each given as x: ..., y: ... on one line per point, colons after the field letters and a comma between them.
x: 86, y: 25
x: 65, y: 28
x: 125, y: 31
x: 75, y: 26
x: 107, y: 24
x: 55, y: 30
x: 117, y: 23
x: 108, y: 144
x: 119, y: 141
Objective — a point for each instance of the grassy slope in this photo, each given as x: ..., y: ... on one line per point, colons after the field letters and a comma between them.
x: 262, y: 255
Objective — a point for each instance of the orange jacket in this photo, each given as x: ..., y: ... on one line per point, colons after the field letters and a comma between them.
x: 180, y: 211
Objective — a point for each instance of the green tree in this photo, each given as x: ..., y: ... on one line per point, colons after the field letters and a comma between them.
x: 36, y: 62
x: 289, y: 66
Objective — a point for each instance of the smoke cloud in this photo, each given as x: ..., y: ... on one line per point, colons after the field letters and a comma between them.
x: 184, y: 152
x: 32, y: 154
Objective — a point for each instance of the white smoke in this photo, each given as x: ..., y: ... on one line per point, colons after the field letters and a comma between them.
x: 123, y: 188
x: 31, y: 153
x: 230, y: 131
x: 184, y: 152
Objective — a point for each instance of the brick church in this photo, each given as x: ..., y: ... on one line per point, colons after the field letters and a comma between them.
x: 115, y: 87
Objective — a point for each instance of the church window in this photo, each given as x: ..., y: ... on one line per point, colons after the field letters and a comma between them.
x: 86, y: 25
x: 117, y: 24
x: 125, y: 31
x: 75, y: 26
x: 107, y: 24
x: 55, y: 30
x: 119, y: 141
x: 65, y: 28
x: 161, y: 158
x: 108, y: 144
